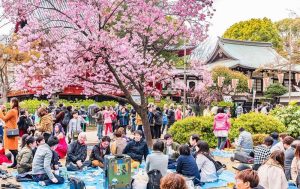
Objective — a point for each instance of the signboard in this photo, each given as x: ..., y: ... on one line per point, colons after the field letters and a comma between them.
x: 136, y: 97
x: 227, y: 98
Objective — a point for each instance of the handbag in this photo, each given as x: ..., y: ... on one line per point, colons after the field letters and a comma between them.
x: 12, y: 133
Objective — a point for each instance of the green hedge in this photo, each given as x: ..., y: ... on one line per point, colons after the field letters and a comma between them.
x: 32, y: 105
x: 258, y: 124
x: 181, y: 130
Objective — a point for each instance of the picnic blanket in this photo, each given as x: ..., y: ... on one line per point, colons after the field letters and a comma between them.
x: 222, y: 153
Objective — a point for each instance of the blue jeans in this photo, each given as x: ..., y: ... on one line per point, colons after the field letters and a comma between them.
x: 221, y: 142
x: 99, y: 130
x: 45, y: 178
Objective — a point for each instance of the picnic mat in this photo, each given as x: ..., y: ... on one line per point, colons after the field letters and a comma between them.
x: 222, y: 153
x: 224, y: 178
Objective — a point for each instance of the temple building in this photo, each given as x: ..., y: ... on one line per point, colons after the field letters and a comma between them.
x: 258, y: 60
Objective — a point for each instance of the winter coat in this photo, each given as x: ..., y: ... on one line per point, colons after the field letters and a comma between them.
x: 171, y: 116
x: 59, y: 117
x: 98, y: 153
x: 76, y: 151
x: 151, y: 118
x: 158, y: 118
x: 123, y: 118
x: 271, y: 176
x: 118, y: 146
x: 295, y: 168
x: 186, y: 165
x: 24, y: 123
x: 10, y: 120
x: 24, y: 159
x: 46, y: 124
x: 41, y: 163
x: 221, y: 122
x: 136, y: 150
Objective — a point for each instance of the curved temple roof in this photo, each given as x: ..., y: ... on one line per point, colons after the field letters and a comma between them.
x: 247, y: 54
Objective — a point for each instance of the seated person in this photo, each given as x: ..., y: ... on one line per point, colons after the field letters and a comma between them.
x: 174, y: 181
x: 157, y: 160
x: 25, y: 156
x: 3, y: 158
x: 193, y: 143
x: 289, y: 155
x: 171, y: 148
x: 206, y: 167
x: 275, y: 137
x: 99, y: 151
x: 119, y: 143
x: 262, y: 153
x: 186, y: 164
x: 245, y: 141
x: 137, y: 148
x: 247, y: 179
x: 41, y: 166
x: 77, y: 153
x: 279, y: 145
x: 55, y: 161
x: 39, y: 141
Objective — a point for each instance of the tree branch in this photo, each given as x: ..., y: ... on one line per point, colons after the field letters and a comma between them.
x: 108, y: 95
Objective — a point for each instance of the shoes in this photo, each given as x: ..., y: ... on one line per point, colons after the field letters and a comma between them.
x: 10, y: 186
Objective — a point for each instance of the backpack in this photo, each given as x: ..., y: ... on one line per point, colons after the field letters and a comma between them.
x: 218, y: 165
x: 154, y: 179
x: 76, y: 183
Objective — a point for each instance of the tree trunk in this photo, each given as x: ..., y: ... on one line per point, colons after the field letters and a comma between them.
x: 147, y: 132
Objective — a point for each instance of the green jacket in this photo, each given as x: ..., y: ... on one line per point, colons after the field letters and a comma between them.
x: 24, y: 159
x: 175, y: 147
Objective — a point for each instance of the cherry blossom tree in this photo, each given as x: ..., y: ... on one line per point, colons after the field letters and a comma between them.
x: 110, y: 47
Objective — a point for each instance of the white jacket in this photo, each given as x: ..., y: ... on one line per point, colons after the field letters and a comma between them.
x: 271, y: 176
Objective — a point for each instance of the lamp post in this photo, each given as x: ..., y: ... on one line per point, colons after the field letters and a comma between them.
x: 184, y: 78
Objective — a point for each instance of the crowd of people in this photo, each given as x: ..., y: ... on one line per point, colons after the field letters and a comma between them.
x: 58, y: 132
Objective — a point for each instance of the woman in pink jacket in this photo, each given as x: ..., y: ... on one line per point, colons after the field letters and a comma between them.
x: 221, y: 127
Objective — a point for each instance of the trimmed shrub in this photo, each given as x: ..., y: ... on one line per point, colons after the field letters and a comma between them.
x: 256, y: 123
x: 259, y: 139
x: 203, y: 126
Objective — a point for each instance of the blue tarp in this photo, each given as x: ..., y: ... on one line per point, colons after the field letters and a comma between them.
x: 222, y: 153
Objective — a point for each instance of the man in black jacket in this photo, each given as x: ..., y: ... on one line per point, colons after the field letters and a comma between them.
x: 77, y: 153
x: 99, y: 151
x: 137, y: 148
x: 157, y: 123
x: 171, y: 116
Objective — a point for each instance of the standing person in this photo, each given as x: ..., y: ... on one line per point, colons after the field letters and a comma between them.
x: 107, y: 120
x: 206, y: 111
x: 275, y: 137
x: 151, y: 120
x: 157, y: 123
x: 271, y: 173
x: 45, y: 127
x: 221, y: 127
x: 75, y: 126
x: 113, y: 119
x: 178, y: 113
x: 41, y: 166
x: 186, y: 164
x: 51, y: 107
x: 67, y: 117
x: 133, y: 119
x: 137, y: 148
x: 295, y: 167
x: 99, y: 151
x: 139, y: 124
x: 164, y: 119
x: 23, y: 123
x: 62, y: 146
x: 99, y: 122
x: 25, y: 156
x: 83, y: 113
x: 239, y: 110
x: 262, y: 153
x: 288, y: 156
x: 59, y: 116
x: 171, y: 116
x: 206, y: 167
x: 189, y: 112
x: 10, y: 119
x: 123, y: 118
x: 157, y: 160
